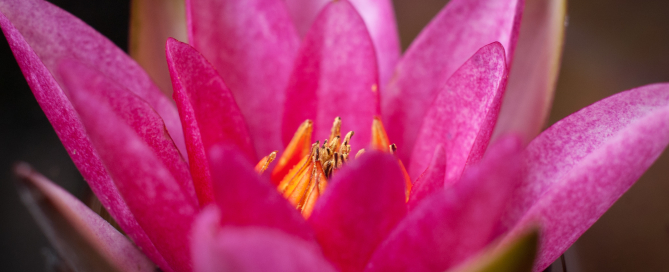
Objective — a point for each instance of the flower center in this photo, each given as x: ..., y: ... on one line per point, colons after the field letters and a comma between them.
x: 303, y: 169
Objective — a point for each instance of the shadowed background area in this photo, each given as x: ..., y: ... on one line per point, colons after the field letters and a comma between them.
x: 610, y: 46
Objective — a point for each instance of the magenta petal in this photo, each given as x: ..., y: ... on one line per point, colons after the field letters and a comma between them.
x: 580, y: 166
x: 361, y: 205
x: 247, y: 199
x: 464, y: 113
x: 134, y: 111
x: 453, y: 36
x: 250, y: 249
x: 41, y: 34
x: 157, y: 200
x: 29, y: 28
x: 431, y: 180
x: 252, y: 44
x: 208, y: 111
x: 451, y: 225
x: 83, y: 238
x: 335, y: 75
x: 379, y: 18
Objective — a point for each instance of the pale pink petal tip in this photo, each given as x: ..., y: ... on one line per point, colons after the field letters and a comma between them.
x: 464, y: 113
x: 252, y: 44
x: 335, y: 74
x: 451, y: 38
x: 577, y: 169
x: 208, y: 112
x: 85, y: 240
x: 248, y: 199
x: 362, y: 204
x: 250, y: 248
x: 451, y: 225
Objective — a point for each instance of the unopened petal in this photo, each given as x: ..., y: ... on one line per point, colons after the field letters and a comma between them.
x: 248, y: 199
x: 335, y: 74
x: 362, y: 204
x: 451, y: 225
x: 580, y: 166
x: 252, y: 44
x: 452, y: 37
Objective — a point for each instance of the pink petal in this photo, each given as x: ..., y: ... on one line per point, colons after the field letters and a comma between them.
x: 534, y: 74
x: 452, y: 37
x: 36, y: 32
x: 361, y: 205
x: 208, y: 112
x: 253, y: 45
x: 134, y: 111
x: 580, y: 166
x: 335, y: 75
x: 247, y: 199
x: 154, y: 196
x: 431, y: 180
x: 249, y: 249
x: 83, y: 238
x: 42, y: 34
x: 464, y: 113
x: 451, y: 225
x: 151, y: 23
x: 379, y: 18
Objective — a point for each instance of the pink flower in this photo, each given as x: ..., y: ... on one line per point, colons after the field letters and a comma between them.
x: 180, y: 181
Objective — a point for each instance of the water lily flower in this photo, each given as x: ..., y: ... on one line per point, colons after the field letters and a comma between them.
x: 263, y: 76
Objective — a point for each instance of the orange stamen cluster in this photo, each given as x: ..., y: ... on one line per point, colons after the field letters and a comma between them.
x: 303, y: 170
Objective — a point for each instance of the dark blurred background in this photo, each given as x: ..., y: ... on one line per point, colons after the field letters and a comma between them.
x: 611, y: 46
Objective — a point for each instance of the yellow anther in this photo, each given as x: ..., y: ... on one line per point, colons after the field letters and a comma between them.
x: 264, y: 162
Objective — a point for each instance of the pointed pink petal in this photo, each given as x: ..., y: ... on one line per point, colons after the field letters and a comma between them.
x: 453, y: 36
x: 154, y: 196
x: 361, y: 205
x: 379, y: 18
x: 83, y: 238
x: 533, y: 76
x: 253, y: 45
x: 249, y: 249
x: 449, y: 226
x: 335, y: 75
x: 134, y: 111
x: 42, y: 34
x: 247, y: 199
x: 36, y: 32
x: 464, y: 113
x: 151, y: 23
x: 431, y: 180
x: 208, y: 111
x: 580, y: 166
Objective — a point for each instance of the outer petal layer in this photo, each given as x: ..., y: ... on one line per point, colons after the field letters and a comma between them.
x: 250, y: 249
x: 151, y: 23
x: 580, y: 166
x: 534, y: 74
x: 379, y: 18
x: 83, y: 238
x: 457, y: 32
x: 463, y: 115
x: 451, y: 225
x: 39, y: 34
x: 247, y: 199
x: 252, y: 44
x: 335, y: 75
x: 157, y: 200
x: 362, y: 204
x: 208, y: 112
